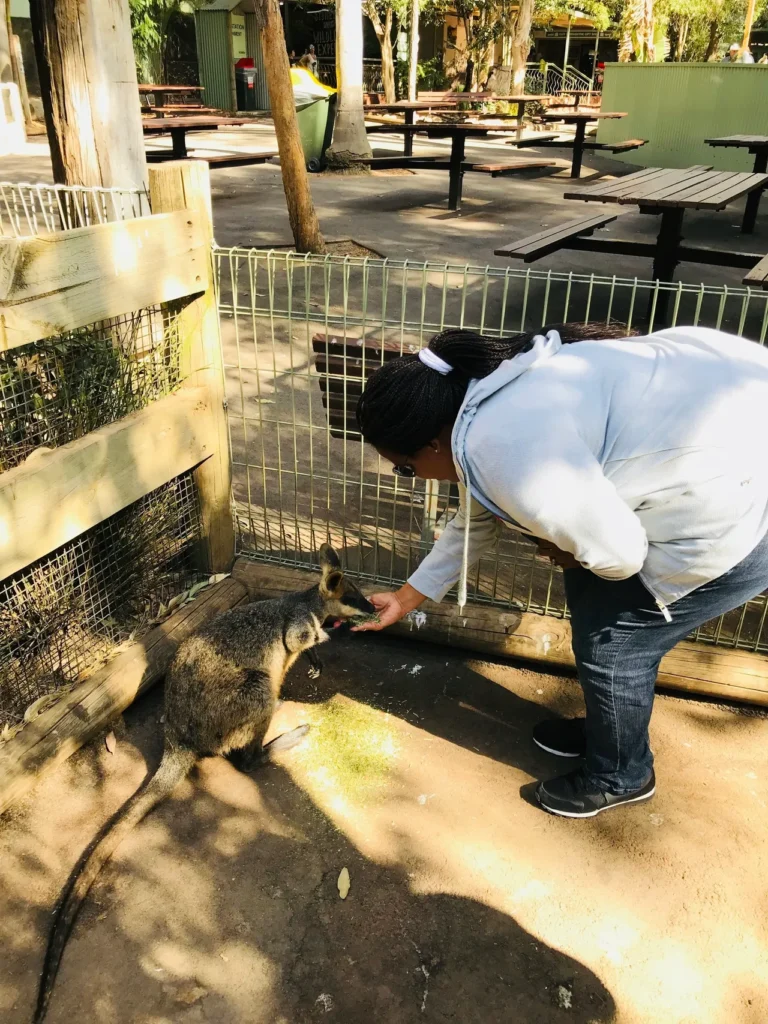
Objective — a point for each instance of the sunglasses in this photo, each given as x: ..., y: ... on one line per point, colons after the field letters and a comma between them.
x: 404, y: 471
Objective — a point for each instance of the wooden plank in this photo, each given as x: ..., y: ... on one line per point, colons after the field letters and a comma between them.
x: 53, y: 283
x: 607, y: 190
x: 693, y: 667
x: 747, y: 182
x: 185, y: 185
x: 55, y: 496
x: 85, y: 712
x: 691, y: 191
x: 758, y: 275
x: 548, y: 241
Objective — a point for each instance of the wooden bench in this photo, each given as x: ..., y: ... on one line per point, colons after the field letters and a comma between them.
x: 616, y: 147
x: 501, y: 170
x: 535, y: 246
x: 758, y: 275
x: 534, y: 140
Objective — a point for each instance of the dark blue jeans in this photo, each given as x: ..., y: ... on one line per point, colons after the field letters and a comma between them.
x: 619, y: 638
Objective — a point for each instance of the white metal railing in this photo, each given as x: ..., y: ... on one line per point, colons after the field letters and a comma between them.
x: 550, y: 79
x: 27, y: 209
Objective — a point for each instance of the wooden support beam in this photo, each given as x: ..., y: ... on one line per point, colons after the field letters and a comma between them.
x: 82, y: 714
x: 54, y: 283
x: 55, y: 496
x: 185, y: 185
x: 693, y: 667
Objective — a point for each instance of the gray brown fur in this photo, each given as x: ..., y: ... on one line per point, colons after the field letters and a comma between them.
x: 220, y: 694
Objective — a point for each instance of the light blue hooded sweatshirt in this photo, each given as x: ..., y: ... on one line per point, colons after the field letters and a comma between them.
x: 645, y: 455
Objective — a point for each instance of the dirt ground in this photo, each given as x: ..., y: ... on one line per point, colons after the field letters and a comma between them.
x: 467, y: 903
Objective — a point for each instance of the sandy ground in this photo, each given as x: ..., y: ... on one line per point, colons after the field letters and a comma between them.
x: 467, y: 903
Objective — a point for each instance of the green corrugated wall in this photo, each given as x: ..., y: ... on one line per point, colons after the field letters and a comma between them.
x: 211, y: 29
x: 677, y: 106
x: 253, y: 41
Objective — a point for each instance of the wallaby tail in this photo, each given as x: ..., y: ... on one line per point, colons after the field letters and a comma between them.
x: 175, y: 765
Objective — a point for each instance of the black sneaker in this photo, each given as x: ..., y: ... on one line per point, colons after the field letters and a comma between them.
x: 571, y: 796
x: 565, y: 737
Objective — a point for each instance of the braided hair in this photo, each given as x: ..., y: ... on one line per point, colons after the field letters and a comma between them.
x: 406, y: 404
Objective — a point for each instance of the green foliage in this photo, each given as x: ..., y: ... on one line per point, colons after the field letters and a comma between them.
x: 149, y: 26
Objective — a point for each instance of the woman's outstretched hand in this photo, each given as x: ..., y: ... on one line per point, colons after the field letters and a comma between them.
x: 392, y: 607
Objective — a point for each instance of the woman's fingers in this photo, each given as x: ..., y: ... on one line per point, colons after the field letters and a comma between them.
x: 389, y: 610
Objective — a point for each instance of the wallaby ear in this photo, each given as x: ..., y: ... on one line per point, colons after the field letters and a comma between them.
x: 327, y: 557
x: 332, y: 583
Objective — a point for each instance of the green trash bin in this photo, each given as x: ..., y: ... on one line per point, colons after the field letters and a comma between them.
x: 316, y: 129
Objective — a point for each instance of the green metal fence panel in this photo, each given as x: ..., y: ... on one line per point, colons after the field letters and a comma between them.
x: 677, y: 106
x: 211, y: 28
x: 293, y: 329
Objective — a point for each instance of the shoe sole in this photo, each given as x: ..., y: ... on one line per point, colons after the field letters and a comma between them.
x: 593, y: 814
x: 551, y: 750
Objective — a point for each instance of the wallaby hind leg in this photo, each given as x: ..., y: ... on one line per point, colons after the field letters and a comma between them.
x: 316, y: 666
x: 285, y: 741
x: 245, y: 759
x: 256, y: 754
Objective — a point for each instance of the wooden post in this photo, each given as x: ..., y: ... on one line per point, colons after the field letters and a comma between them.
x: 413, y: 53
x: 185, y: 185
x: 305, y: 226
x: 89, y: 91
x: 6, y: 60
x: 750, y: 17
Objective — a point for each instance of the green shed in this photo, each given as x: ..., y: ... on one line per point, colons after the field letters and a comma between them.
x: 226, y: 32
x: 677, y: 106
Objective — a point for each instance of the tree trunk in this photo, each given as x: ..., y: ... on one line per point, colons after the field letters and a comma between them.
x: 383, y: 30
x: 714, y: 38
x: 90, y: 94
x: 350, y: 141
x: 6, y: 70
x: 298, y: 196
x: 413, y: 52
x: 521, y: 44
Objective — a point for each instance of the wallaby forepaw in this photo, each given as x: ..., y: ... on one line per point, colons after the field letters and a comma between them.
x: 314, y: 671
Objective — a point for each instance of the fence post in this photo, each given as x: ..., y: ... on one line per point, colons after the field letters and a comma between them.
x: 185, y: 185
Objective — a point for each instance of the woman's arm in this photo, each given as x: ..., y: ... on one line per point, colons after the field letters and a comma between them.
x: 553, y: 485
x: 442, y: 566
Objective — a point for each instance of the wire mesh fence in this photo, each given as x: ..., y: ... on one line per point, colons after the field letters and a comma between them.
x: 59, y: 389
x: 61, y: 615
x: 38, y: 209
x: 301, y: 334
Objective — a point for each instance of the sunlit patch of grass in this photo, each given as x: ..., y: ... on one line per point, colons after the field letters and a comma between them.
x: 347, y: 754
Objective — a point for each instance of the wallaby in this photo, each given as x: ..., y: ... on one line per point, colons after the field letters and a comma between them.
x: 220, y: 694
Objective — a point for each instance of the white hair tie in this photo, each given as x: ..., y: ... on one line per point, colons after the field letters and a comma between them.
x: 433, y: 361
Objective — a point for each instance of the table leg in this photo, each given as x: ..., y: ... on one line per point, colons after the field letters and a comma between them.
x: 665, y: 261
x: 456, y: 174
x: 159, y: 98
x: 578, y: 148
x: 179, y: 143
x: 520, y: 117
x: 408, y: 143
x: 753, y: 199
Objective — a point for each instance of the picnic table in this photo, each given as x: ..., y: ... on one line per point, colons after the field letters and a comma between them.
x: 409, y: 108
x: 655, y: 190
x: 456, y: 164
x: 579, y: 118
x: 178, y: 127
x: 758, y: 145
x: 161, y: 91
